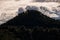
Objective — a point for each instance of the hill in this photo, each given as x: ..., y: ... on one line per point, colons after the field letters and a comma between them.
x: 32, y: 18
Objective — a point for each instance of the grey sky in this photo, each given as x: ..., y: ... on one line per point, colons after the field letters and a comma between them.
x: 46, y: 0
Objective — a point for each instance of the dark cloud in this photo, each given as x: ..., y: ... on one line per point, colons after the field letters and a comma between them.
x: 46, y: 0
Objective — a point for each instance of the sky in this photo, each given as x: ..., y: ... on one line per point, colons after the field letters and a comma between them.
x: 10, y: 8
x: 31, y: 0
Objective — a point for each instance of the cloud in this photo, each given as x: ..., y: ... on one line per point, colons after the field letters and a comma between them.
x: 39, y: 0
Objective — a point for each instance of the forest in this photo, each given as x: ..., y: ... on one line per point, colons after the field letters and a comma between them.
x: 30, y: 25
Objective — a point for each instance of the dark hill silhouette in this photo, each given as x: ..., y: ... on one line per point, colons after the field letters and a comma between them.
x: 32, y: 18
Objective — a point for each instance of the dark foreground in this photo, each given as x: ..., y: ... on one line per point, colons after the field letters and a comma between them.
x: 23, y: 33
x: 31, y: 25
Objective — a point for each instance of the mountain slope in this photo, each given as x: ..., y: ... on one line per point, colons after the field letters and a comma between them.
x: 32, y: 18
x: 9, y: 9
